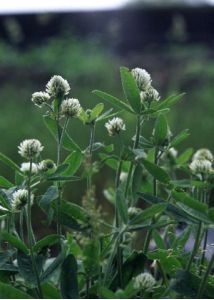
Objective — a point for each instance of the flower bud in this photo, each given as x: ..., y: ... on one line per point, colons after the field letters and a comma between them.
x: 39, y: 98
x: 114, y: 126
x: 30, y: 148
x: 47, y: 165
x: 151, y: 94
x: 70, y: 107
x: 57, y: 87
x: 142, y: 78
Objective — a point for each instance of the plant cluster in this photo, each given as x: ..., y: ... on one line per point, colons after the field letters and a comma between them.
x: 157, y: 194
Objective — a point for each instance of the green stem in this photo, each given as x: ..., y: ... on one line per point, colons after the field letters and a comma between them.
x: 203, y: 251
x: 195, y: 247
x: 149, y: 233
x: 21, y: 225
x: 205, y: 278
x: 135, y: 145
x: 59, y: 146
x: 91, y: 142
x: 30, y: 237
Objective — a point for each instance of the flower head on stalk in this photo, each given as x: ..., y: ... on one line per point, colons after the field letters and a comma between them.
x: 19, y: 199
x: 39, y: 98
x: 203, y: 154
x: 201, y: 166
x: 142, y: 78
x: 70, y: 107
x: 114, y: 126
x: 144, y: 281
x: 57, y: 87
x: 30, y: 149
x: 25, y: 168
x: 151, y: 94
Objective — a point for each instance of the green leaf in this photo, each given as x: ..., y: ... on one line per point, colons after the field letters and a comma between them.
x: 47, y: 199
x: 91, y: 253
x: 96, y: 111
x: 130, y: 89
x: 121, y: 205
x: 182, y: 239
x: 5, y: 256
x: 63, y: 178
x: 137, y: 180
x: 157, y: 172
x: 26, y: 268
x: 170, y: 101
x: 74, y: 161
x: 186, y: 284
x: 68, y: 278
x: 158, y: 239
x: 57, y: 262
x: 67, y: 141
x: 46, y: 242
x: 49, y: 291
x: 180, y: 138
x: 113, y: 100
x: 184, y: 157
x: 4, y: 183
x: 7, y: 161
x: 9, y: 292
x: 105, y: 293
x: 14, y: 241
x: 160, y: 130
x: 191, y: 206
x: 148, y: 213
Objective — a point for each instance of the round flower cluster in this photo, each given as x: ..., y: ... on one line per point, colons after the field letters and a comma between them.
x: 114, y: 126
x: 39, y: 98
x: 202, y: 162
x: 19, y: 199
x: 144, y: 281
x: 57, y: 87
x: 143, y: 80
x: 70, y: 107
x: 30, y: 148
x: 25, y: 168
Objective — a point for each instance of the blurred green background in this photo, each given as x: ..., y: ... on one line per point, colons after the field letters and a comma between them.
x: 87, y: 49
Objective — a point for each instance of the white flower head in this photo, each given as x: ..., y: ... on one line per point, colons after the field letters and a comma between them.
x: 144, y: 281
x: 25, y: 168
x: 170, y: 153
x: 39, y: 98
x: 19, y: 199
x: 57, y: 87
x: 201, y: 166
x: 70, y: 107
x: 133, y: 211
x: 115, y: 125
x: 30, y: 148
x: 47, y: 165
x: 203, y: 154
x: 123, y: 176
x: 142, y: 78
x: 151, y: 94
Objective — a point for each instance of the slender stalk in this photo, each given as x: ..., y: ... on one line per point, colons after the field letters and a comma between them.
x: 195, y: 247
x: 205, y: 277
x: 21, y: 225
x: 90, y: 147
x: 203, y: 251
x: 149, y: 233
x: 135, y: 145
x: 59, y: 146
x: 30, y: 237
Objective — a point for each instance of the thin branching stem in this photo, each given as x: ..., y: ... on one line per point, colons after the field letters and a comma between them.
x: 205, y: 278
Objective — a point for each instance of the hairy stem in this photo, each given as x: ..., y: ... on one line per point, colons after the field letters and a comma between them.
x: 30, y: 237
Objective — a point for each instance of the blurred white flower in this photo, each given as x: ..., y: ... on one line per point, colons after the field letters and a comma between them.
x: 142, y: 78
x: 123, y: 176
x: 25, y: 168
x: 144, y: 281
x: 57, y: 87
x: 70, y: 107
x: 133, y: 211
x: 201, y: 166
x: 39, y: 98
x: 170, y: 153
x: 203, y: 154
x: 151, y: 94
x: 30, y: 148
x: 19, y: 199
x: 115, y: 125
x: 47, y: 165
